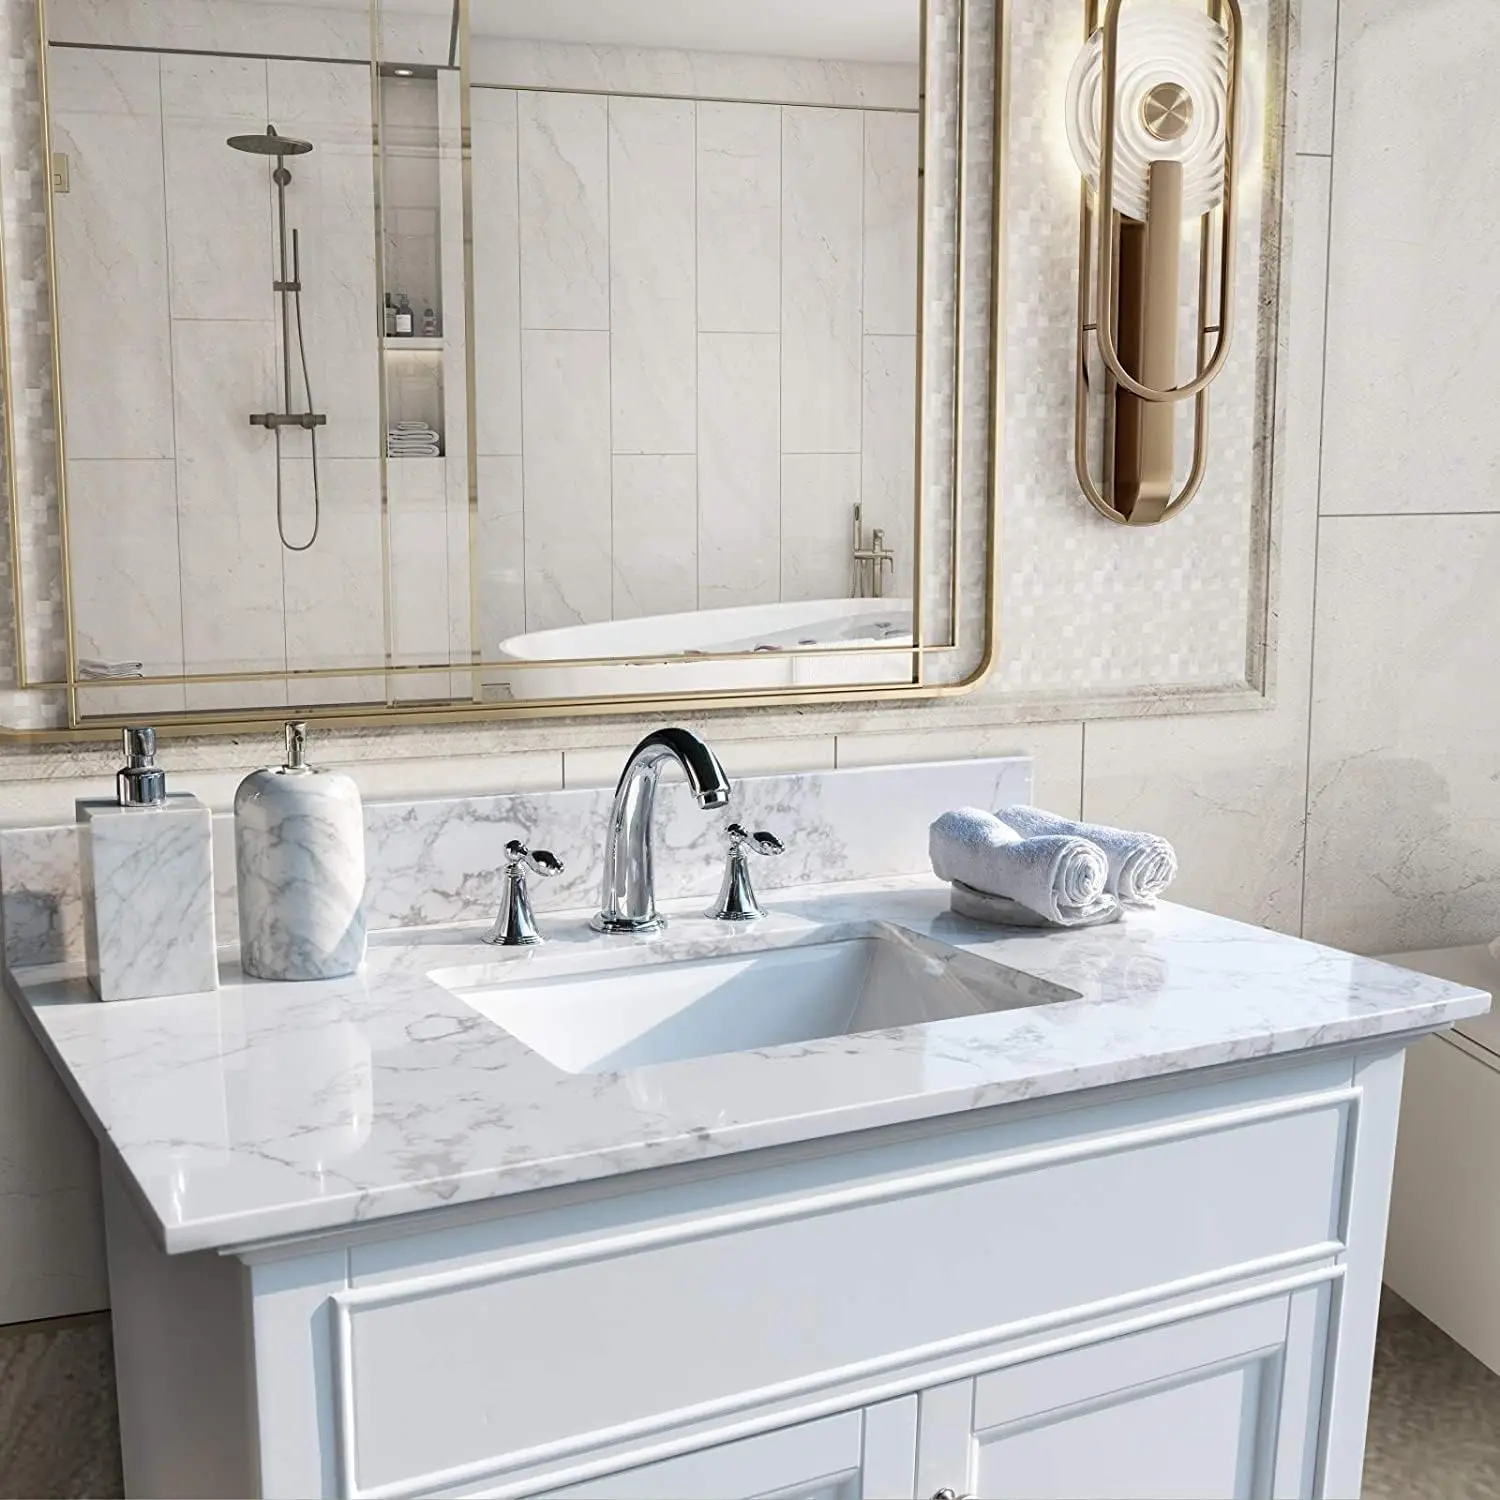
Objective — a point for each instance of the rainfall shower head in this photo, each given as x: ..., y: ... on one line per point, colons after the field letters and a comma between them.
x: 270, y: 144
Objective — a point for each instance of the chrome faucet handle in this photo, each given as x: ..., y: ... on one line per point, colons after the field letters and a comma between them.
x: 515, y: 925
x: 737, y: 901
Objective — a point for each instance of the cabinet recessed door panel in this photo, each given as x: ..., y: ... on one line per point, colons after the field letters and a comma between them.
x: 856, y: 1455
x: 1199, y: 1409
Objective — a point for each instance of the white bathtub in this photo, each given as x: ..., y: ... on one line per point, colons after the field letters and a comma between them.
x: 685, y: 648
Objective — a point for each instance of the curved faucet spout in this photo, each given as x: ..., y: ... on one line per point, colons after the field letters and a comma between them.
x: 629, y: 898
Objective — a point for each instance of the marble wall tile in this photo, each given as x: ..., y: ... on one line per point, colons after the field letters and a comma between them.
x: 818, y: 495
x: 693, y: 74
x: 1230, y: 789
x: 739, y: 218
x: 233, y: 606
x: 331, y: 202
x: 1313, y: 73
x: 567, y: 477
x: 502, y: 553
x: 1410, y: 427
x: 1055, y: 750
x: 497, y: 272
x: 563, y: 143
x: 1403, y: 832
x: 127, y: 580
x: 890, y: 223
x: 655, y: 530
x: 653, y: 275
x: 600, y: 765
x: 822, y: 162
x: 222, y: 26
x: 335, y: 599
x: 417, y: 495
x: 219, y: 224
x: 888, y: 465
x: 112, y: 254
x: 739, y: 469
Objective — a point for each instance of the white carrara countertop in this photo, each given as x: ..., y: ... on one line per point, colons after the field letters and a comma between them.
x: 269, y: 1110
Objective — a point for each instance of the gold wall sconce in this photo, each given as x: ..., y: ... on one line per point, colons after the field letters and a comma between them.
x: 1155, y: 110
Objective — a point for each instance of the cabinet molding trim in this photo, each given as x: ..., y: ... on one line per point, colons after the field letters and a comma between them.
x: 1322, y: 1268
x: 904, y: 1185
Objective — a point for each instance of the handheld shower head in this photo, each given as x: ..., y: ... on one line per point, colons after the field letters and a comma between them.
x: 269, y: 144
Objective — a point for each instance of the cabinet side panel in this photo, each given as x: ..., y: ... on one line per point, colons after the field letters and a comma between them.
x: 1445, y: 1203
x: 181, y: 1363
x: 1357, y: 1302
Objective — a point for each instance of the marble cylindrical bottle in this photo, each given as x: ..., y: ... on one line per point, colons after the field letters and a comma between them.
x: 299, y: 843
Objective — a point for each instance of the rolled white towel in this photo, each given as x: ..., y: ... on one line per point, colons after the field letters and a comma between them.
x: 1141, y: 865
x: 1060, y: 878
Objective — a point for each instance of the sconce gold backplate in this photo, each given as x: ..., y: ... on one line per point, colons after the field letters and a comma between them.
x: 1167, y: 111
x: 1128, y: 288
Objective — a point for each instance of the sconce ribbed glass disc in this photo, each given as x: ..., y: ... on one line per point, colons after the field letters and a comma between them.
x: 1168, y: 52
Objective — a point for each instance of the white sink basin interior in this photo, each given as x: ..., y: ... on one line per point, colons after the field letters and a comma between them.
x: 874, y: 979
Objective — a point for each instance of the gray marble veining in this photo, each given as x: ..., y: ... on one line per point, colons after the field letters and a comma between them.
x: 268, y: 1110
x: 442, y: 860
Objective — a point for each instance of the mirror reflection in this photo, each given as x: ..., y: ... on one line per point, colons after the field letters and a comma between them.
x: 622, y: 399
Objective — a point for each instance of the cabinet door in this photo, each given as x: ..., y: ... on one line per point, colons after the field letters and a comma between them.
x: 1222, y: 1406
x: 868, y: 1455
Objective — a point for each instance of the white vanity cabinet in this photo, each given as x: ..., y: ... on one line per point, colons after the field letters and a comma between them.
x: 1155, y: 1289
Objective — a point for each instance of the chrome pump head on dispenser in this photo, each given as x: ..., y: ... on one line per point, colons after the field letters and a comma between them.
x: 140, y: 782
x: 296, y: 748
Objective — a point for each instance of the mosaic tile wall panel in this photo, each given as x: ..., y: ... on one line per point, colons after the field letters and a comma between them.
x: 1091, y: 609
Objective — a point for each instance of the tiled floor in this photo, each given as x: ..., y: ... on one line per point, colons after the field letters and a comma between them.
x: 1434, y: 1416
x: 58, y: 1432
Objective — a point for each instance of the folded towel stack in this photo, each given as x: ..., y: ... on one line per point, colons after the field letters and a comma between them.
x: 1141, y: 865
x: 1070, y: 874
x: 413, y: 440
x: 1060, y: 878
x: 92, y: 670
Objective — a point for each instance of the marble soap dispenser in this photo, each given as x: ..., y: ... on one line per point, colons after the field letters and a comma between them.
x: 299, y: 844
x: 148, y: 882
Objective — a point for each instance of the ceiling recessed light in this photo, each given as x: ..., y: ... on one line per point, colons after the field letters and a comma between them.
x: 404, y: 72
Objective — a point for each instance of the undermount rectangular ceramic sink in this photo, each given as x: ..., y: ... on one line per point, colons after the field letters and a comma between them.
x: 667, y: 1010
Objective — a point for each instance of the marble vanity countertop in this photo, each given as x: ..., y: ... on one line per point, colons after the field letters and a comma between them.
x: 263, y: 1110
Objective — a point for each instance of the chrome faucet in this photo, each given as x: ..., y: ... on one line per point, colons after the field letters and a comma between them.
x: 629, y: 899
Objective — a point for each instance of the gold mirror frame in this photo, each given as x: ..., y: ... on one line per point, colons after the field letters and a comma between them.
x: 963, y: 483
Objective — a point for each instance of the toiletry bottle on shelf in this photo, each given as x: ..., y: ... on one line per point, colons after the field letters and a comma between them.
x: 148, y: 884
x: 429, y: 323
x: 390, y: 316
x: 299, y: 843
x: 404, y: 319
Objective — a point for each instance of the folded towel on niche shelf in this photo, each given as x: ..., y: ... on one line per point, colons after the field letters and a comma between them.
x: 1141, y: 865
x: 1061, y: 878
x: 91, y: 670
x: 412, y: 440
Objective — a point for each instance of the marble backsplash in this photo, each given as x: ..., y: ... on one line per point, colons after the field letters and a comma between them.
x: 441, y: 860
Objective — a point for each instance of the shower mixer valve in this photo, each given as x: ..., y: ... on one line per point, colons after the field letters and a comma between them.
x: 275, y: 419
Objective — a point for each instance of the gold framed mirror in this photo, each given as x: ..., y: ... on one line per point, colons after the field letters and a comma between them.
x: 431, y: 359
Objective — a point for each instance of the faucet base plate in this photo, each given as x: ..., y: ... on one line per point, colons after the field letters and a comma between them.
x: 636, y: 926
